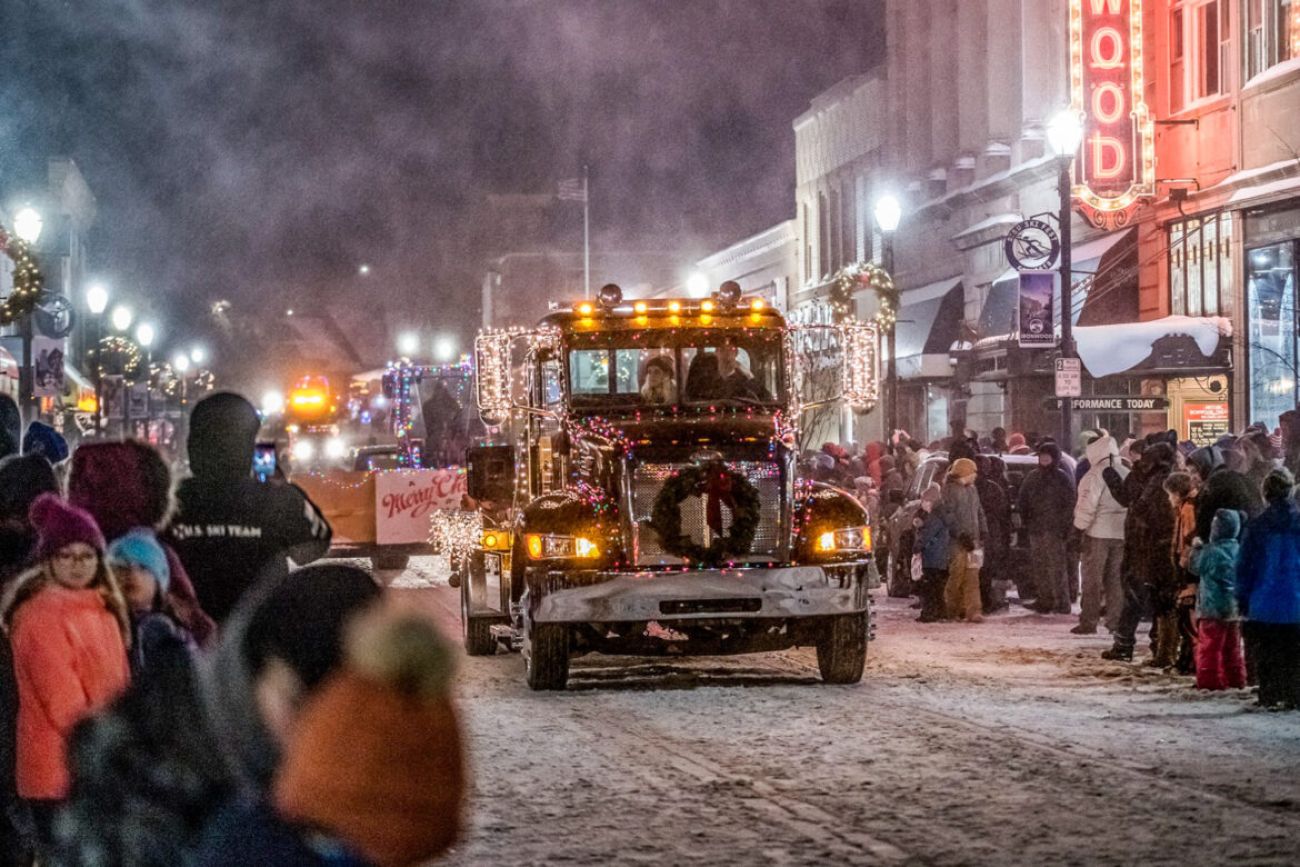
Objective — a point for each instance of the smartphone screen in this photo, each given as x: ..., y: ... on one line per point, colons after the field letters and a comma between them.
x: 264, y: 461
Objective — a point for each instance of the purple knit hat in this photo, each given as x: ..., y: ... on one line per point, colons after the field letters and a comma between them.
x: 59, y: 525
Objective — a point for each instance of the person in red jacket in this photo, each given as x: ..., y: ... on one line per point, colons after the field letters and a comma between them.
x: 68, y: 623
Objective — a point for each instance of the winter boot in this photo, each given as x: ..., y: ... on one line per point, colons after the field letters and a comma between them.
x: 1119, y: 654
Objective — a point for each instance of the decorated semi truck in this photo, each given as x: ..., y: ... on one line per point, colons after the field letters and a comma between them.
x: 645, y: 498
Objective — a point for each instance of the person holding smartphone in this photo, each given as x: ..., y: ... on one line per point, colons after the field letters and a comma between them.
x: 232, y: 530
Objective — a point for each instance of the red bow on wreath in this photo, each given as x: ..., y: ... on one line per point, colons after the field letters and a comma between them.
x: 717, y: 492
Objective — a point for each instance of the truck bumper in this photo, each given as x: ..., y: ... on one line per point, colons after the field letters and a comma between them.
x: 708, y: 594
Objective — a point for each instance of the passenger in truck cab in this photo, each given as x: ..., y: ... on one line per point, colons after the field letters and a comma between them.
x: 659, y: 387
x: 737, y: 380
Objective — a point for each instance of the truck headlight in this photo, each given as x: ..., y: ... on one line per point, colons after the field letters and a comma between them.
x: 552, y: 547
x: 303, y: 451
x: 843, y: 541
x: 335, y: 448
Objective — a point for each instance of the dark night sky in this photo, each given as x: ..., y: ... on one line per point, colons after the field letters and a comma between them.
x: 251, y: 149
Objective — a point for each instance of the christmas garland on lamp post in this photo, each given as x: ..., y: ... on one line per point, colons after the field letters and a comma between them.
x: 29, y: 283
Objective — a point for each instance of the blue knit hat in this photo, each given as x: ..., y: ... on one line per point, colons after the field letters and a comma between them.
x: 41, y: 439
x: 141, y: 548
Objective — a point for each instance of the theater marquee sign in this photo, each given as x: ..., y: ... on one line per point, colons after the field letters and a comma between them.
x: 1115, y: 169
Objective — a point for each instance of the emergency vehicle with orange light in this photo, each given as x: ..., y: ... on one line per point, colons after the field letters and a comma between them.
x: 313, y: 412
x: 644, y: 497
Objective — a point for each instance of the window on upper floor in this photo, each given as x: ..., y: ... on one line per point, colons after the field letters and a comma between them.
x: 1201, y: 266
x: 823, y: 236
x: 1272, y: 30
x: 1200, y: 40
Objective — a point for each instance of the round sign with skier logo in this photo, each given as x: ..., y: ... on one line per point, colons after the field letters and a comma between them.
x: 1032, y: 245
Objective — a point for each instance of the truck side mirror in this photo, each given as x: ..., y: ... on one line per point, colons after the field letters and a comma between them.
x: 491, y: 472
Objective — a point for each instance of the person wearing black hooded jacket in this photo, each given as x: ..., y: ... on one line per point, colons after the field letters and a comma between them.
x: 1046, y: 504
x: 231, y: 530
x: 1148, y: 529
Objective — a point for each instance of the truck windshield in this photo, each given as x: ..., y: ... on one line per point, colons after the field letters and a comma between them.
x: 702, y: 367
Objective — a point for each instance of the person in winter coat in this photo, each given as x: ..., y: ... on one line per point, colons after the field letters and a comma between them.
x: 22, y: 480
x: 140, y: 564
x: 1221, y: 487
x: 127, y: 486
x: 991, y: 484
x: 1157, y: 568
x: 398, y: 799
x: 967, y: 530
x: 281, y: 644
x: 1100, y: 518
x: 1219, y: 660
x: 931, y: 543
x: 11, y: 427
x: 147, y: 774
x: 1146, y: 480
x: 1182, y: 491
x: 1268, y: 591
x: 1046, y: 503
x: 68, y: 625
x: 231, y: 530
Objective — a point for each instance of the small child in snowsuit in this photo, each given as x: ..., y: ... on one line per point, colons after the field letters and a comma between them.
x: 1182, y: 490
x: 140, y: 565
x: 931, y: 545
x: 1219, y: 660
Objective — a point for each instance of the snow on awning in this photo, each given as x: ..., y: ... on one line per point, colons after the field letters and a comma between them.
x: 1110, y: 349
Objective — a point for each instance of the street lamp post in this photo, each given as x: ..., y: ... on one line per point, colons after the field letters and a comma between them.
x: 889, y: 213
x: 97, y: 303
x: 121, y: 319
x: 1065, y: 133
x: 27, y: 225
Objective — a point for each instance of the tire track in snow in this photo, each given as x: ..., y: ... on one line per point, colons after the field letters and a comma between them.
x: 1074, y: 754
x: 805, y: 819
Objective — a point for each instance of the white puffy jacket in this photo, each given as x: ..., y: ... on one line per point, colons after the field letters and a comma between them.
x: 1096, y: 512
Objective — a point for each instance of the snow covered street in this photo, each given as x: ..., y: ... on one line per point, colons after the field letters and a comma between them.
x: 1004, y: 742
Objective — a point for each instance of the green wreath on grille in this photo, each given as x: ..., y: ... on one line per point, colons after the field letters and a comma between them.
x: 718, y: 485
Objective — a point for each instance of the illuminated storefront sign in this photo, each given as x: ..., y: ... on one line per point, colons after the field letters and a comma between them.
x: 1115, y: 168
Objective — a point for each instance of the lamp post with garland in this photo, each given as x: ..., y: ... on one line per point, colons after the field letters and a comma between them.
x: 29, y: 283
x: 868, y: 275
x: 889, y: 213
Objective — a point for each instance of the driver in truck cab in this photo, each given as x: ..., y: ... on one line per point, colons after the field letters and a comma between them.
x: 723, y: 376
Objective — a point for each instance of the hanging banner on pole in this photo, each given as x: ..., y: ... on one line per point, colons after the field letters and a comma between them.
x: 47, y: 359
x: 1037, y: 330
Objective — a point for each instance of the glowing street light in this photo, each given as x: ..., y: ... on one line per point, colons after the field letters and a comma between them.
x: 697, y: 285
x: 28, y: 224
x: 364, y: 270
x: 145, y: 334
x: 182, y: 363
x: 97, y: 298
x: 122, y: 317
x: 1065, y: 133
x: 198, y: 355
x: 408, y: 344
x: 889, y: 213
x: 444, y: 349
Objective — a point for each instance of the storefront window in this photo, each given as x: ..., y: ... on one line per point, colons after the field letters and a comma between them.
x: 1271, y: 300
x: 1272, y: 33
x: 1200, y: 266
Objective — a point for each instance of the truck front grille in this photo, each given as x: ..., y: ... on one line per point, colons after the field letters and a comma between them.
x: 648, y: 479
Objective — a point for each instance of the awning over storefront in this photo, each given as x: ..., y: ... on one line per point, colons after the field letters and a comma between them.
x: 929, y: 320
x: 1175, y: 344
x: 1105, y: 287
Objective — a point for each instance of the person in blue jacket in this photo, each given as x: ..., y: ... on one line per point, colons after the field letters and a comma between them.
x: 931, y: 545
x: 1268, y: 591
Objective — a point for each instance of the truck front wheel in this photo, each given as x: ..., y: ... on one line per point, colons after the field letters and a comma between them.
x: 842, y: 648
x: 476, y: 631
x: 546, y: 656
